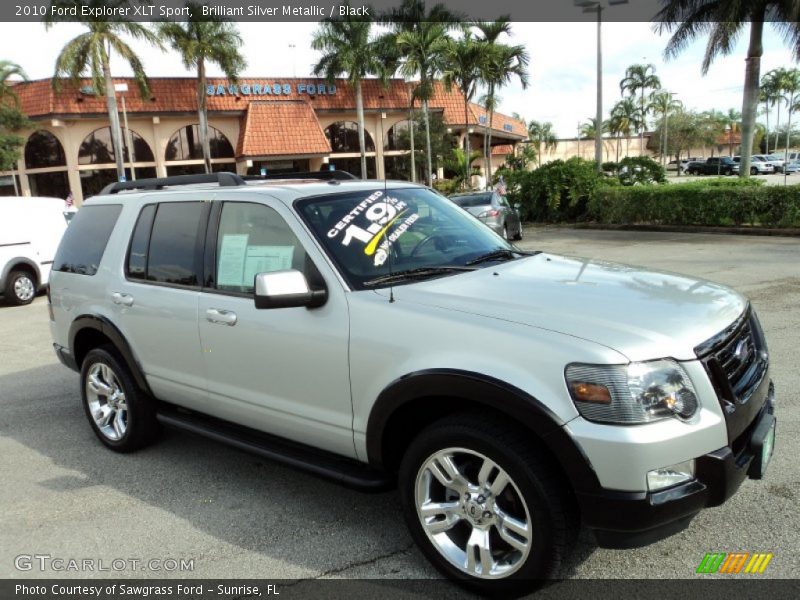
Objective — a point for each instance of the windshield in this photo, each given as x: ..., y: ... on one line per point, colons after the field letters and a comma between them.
x: 472, y: 200
x: 372, y: 233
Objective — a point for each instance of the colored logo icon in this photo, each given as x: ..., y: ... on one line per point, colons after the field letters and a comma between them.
x: 735, y: 562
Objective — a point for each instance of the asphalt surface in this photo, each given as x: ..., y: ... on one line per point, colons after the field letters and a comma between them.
x: 236, y: 515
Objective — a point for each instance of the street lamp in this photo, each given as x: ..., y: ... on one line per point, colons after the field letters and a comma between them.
x: 729, y: 129
x: 294, y: 63
x: 122, y: 88
x: 597, y: 6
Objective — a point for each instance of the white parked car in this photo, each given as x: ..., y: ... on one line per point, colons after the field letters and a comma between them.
x: 30, y: 231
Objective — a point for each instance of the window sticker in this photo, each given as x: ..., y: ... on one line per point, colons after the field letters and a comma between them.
x: 265, y: 259
x: 230, y: 269
x: 369, y: 223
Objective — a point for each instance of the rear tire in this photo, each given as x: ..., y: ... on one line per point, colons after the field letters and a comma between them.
x: 122, y: 416
x: 753, y: 171
x: 20, y: 288
x: 507, y: 518
x: 518, y: 235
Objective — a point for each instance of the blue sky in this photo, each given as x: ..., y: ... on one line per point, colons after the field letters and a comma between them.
x: 562, y: 67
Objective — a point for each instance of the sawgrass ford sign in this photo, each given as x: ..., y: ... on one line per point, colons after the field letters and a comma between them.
x: 270, y: 89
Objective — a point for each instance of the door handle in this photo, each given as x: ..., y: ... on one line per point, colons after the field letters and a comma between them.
x: 223, y: 317
x: 122, y: 299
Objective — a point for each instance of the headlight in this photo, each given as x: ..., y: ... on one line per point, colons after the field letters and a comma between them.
x: 639, y: 392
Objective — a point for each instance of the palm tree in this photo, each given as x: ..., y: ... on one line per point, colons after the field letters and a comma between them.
x: 200, y: 40
x: 544, y: 136
x: 723, y: 21
x: 463, y: 63
x: 776, y: 93
x: 504, y: 63
x: 418, y: 37
x: 589, y: 130
x: 92, y: 51
x: 627, y: 114
x: 791, y: 86
x: 349, y: 50
x: 8, y: 70
x: 640, y: 78
x: 663, y: 103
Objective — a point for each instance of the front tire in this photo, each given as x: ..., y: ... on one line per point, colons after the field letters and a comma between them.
x: 753, y: 171
x: 20, y: 288
x: 484, y: 507
x: 518, y: 235
x: 121, y: 415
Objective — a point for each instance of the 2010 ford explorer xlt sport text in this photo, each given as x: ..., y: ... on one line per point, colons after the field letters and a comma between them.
x: 378, y: 334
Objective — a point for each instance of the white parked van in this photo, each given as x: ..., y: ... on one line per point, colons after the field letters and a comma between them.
x: 30, y: 231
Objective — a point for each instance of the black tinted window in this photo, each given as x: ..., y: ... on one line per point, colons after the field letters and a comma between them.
x: 472, y: 200
x: 172, y: 256
x: 84, y: 242
x: 137, y: 255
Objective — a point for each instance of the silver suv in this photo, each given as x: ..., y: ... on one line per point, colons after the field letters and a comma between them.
x: 377, y: 334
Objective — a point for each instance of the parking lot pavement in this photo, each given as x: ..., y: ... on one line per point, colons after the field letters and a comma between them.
x: 770, y: 179
x: 237, y: 515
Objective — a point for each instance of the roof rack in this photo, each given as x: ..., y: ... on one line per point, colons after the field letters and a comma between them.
x: 321, y: 175
x: 223, y: 178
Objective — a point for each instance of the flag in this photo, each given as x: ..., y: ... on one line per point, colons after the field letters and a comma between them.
x: 500, y: 186
x: 70, y: 201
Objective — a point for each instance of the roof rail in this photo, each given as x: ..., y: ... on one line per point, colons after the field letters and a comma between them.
x: 321, y: 175
x: 223, y: 178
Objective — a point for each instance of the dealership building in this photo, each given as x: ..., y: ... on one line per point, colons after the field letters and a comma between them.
x: 255, y: 125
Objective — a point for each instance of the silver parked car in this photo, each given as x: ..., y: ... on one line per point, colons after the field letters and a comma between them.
x: 494, y: 210
x: 376, y: 334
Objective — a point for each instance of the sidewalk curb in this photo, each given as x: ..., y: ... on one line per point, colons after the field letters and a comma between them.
x: 754, y: 231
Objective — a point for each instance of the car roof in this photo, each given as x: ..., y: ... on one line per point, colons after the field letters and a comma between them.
x: 287, y: 190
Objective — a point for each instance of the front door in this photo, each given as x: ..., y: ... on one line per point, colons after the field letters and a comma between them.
x: 284, y: 371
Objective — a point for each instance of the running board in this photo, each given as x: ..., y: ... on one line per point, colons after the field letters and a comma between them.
x: 340, y: 469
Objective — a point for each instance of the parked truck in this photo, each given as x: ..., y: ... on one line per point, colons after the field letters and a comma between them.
x: 716, y: 165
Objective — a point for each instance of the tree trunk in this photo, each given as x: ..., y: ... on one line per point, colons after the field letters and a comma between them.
x: 751, y: 84
x: 642, y: 126
x: 411, y: 141
x: 777, y: 124
x: 360, y: 117
x: 788, y: 128
x: 202, y: 114
x: 467, y: 145
x: 113, y: 114
x: 766, y: 133
x: 429, y: 159
x: 489, y: 149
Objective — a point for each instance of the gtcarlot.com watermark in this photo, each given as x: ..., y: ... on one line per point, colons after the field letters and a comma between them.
x: 59, y: 564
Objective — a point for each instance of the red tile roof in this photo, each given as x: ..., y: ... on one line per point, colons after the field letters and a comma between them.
x: 281, y: 128
x: 179, y: 95
x: 503, y: 150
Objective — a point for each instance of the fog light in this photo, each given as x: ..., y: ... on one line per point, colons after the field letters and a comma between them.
x: 665, y: 477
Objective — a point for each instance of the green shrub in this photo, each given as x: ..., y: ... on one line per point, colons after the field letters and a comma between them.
x: 639, y: 170
x: 697, y: 204
x: 556, y: 191
x: 446, y: 186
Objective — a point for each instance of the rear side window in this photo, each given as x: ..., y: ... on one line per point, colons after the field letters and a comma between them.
x: 137, y: 255
x: 172, y: 257
x: 472, y: 200
x: 85, y: 240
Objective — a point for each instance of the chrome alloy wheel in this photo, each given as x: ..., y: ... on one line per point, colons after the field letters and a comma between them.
x: 23, y: 288
x: 106, y: 400
x: 473, y: 513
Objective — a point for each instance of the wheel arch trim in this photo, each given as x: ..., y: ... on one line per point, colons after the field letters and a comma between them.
x: 109, y: 330
x: 489, y: 392
x: 15, y: 262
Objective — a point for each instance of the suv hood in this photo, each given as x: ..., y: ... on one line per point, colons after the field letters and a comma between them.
x: 641, y: 313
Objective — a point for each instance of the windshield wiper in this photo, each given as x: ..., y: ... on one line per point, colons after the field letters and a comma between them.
x: 500, y: 254
x: 418, y: 273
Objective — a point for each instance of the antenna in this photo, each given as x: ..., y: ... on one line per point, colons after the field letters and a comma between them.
x: 382, y: 115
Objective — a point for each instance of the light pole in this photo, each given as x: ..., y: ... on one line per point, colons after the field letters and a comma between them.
x: 597, y: 6
x: 292, y: 47
x: 122, y: 88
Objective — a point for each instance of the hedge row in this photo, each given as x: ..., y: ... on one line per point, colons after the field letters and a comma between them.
x: 697, y: 203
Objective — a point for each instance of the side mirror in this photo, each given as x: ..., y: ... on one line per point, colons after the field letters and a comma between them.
x: 286, y: 289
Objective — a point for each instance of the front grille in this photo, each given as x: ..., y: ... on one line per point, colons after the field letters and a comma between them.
x: 737, y: 362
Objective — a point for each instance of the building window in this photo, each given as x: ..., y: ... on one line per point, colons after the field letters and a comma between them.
x: 94, y: 180
x: 343, y: 136
x: 185, y: 144
x: 54, y: 184
x: 44, y: 150
x: 97, y: 148
x: 398, y: 137
x: 353, y: 165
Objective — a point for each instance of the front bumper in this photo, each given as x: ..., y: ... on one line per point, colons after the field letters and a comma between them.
x: 632, y: 519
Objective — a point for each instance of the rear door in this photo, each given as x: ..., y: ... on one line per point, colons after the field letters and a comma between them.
x: 156, y: 299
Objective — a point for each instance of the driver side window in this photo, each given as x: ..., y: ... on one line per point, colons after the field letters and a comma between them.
x: 252, y: 239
